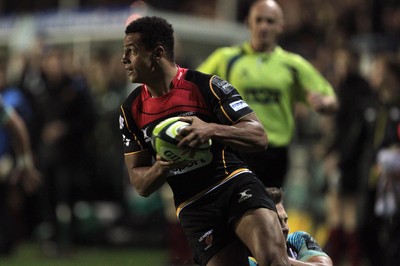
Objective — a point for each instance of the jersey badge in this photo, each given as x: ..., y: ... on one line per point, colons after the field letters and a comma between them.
x: 223, y: 85
x: 244, y: 195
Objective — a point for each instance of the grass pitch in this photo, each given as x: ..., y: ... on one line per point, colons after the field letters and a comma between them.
x: 29, y: 254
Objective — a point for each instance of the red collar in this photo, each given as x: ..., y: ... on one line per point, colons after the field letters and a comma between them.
x: 179, y: 76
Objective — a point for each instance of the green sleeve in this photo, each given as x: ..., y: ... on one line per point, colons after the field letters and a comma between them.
x: 311, y: 80
x: 215, y: 64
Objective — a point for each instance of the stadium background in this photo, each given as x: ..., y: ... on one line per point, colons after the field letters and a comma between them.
x: 116, y: 226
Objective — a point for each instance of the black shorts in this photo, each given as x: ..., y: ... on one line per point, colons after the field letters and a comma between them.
x: 208, y: 222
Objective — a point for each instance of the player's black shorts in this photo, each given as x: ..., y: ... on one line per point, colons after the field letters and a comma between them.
x: 208, y: 222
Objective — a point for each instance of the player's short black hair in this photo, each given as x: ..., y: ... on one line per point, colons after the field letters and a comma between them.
x: 154, y: 31
x: 276, y: 194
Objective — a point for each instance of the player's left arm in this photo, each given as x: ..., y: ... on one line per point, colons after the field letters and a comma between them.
x: 233, y: 122
x: 246, y: 135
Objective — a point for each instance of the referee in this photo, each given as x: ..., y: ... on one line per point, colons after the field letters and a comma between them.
x: 271, y: 80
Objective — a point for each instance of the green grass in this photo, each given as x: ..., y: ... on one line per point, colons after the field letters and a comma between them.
x: 29, y: 254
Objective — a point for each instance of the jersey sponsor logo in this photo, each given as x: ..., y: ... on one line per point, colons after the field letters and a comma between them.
x: 126, y: 140
x: 263, y: 96
x: 187, y: 114
x: 147, y: 138
x: 244, y: 195
x: 192, y: 165
x: 207, y: 239
x: 223, y: 85
x: 238, y: 105
x: 121, y: 122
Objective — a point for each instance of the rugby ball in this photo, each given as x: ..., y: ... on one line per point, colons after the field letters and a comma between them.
x: 165, y: 138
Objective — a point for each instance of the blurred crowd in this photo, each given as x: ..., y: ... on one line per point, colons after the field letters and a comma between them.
x: 71, y: 107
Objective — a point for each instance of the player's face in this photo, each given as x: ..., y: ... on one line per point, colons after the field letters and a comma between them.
x: 283, y: 219
x: 265, y: 22
x: 137, y: 60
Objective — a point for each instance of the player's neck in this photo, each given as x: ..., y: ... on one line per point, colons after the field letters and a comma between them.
x: 263, y: 47
x: 162, y: 85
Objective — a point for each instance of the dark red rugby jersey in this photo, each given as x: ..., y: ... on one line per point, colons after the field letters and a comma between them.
x: 194, y: 94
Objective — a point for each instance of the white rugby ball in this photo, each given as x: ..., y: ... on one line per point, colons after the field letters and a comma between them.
x: 165, y: 138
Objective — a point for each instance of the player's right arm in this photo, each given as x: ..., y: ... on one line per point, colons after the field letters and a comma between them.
x: 144, y: 175
x: 147, y: 177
